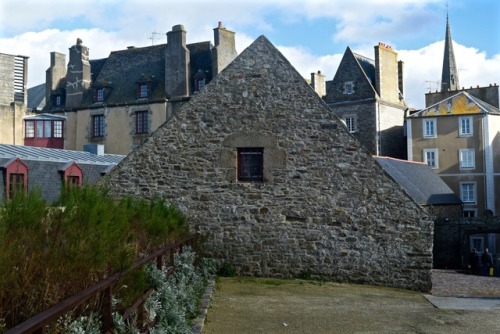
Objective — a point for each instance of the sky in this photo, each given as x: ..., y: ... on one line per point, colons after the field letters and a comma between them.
x: 312, y: 34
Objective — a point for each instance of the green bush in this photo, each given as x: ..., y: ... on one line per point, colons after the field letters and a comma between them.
x: 50, y: 253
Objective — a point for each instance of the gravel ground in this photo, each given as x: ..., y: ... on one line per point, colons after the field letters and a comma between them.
x: 262, y: 305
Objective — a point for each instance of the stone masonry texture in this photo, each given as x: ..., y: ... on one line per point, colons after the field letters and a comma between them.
x: 324, y: 208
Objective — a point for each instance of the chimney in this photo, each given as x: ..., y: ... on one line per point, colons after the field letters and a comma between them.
x: 318, y: 83
x: 78, y: 74
x: 401, y: 77
x: 387, y: 74
x: 177, y: 64
x: 224, y: 50
x: 54, y: 74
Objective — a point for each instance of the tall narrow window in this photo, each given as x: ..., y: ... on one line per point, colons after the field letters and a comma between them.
x: 16, y: 184
x: 431, y: 157
x: 58, y: 129
x: 350, y: 122
x: 47, y: 129
x: 465, y: 126
x: 99, y: 95
x: 250, y: 164
x: 143, y: 90
x: 468, y: 192
x: 466, y: 157
x: 141, y: 122
x: 30, y: 129
x: 429, y: 128
x: 58, y: 100
x: 98, y: 126
x: 39, y: 129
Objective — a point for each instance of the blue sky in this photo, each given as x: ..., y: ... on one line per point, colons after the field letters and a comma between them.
x: 312, y: 34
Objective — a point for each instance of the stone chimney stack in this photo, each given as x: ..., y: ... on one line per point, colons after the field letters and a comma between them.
x: 318, y: 83
x: 387, y: 73
x: 78, y: 74
x: 54, y: 74
x: 177, y: 64
x: 224, y: 50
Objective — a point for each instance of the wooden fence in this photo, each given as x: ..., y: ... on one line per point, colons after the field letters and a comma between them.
x: 39, y: 323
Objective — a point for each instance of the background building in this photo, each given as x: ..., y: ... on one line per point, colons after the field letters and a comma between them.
x: 120, y: 100
x: 13, y: 98
x: 367, y: 95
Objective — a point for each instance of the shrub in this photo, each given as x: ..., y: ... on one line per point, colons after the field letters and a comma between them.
x: 50, y: 253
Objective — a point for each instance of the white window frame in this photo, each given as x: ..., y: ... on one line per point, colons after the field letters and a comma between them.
x: 351, y: 122
x: 30, y: 129
x: 434, y: 151
x: 474, y: 212
x: 143, y: 90
x: 473, y: 198
x: 465, y: 126
x: 467, y: 158
x: 425, y: 129
x: 348, y: 87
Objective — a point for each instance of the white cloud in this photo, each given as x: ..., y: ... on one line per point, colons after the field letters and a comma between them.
x: 422, y: 67
x: 360, y: 24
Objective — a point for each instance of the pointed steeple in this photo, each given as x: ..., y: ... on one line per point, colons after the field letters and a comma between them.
x: 449, y: 77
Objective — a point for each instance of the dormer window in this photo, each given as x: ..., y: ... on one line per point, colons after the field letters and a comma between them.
x: 99, y: 95
x: 58, y: 100
x: 348, y: 87
x: 143, y: 90
x: 200, y: 84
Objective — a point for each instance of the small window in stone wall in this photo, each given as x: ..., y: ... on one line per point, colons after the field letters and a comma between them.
x: 250, y: 164
x: 348, y: 87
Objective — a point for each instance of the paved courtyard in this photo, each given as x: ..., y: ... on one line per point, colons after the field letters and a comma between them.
x: 260, y: 305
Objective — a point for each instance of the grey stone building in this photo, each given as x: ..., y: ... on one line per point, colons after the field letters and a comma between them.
x: 367, y: 94
x: 276, y: 185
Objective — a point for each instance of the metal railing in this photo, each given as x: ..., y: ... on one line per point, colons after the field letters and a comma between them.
x: 38, y: 324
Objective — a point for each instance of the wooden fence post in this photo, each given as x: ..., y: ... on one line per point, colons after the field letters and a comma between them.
x: 107, y: 312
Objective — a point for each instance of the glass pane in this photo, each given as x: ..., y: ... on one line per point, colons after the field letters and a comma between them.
x: 39, y: 129
x: 48, y: 129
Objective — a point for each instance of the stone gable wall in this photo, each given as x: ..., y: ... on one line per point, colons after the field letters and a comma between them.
x: 325, y: 207
x: 366, y: 129
x: 349, y: 70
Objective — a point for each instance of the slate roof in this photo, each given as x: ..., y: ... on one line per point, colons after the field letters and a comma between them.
x: 8, y: 152
x: 473, y: 105
x: 368, y: 66
x: 419, y: 181
x: 123, y: 69
x: 36, y: 97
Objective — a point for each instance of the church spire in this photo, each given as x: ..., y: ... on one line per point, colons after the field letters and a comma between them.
x: 449, y: 77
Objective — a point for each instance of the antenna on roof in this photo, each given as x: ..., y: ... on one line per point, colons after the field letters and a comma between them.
x: 154, y: 35
x: 437, y: 83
